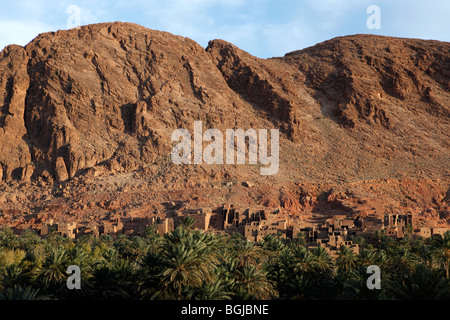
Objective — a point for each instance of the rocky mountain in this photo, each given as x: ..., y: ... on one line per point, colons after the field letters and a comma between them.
x: 89, y: 112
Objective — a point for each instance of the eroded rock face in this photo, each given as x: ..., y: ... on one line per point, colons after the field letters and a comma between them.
x: 109, y: 93
x: 15, y: 154
x: 107, y: 97
x: 370, y: 78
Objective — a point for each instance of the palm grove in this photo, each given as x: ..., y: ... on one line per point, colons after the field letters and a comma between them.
x: 191, y: 264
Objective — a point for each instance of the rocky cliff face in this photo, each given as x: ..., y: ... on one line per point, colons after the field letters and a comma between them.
x: 110, y: 93
x: 104, y: 99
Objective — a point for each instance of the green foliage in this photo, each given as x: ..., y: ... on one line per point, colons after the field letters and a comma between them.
x: 187, y: 222
x: 20, y: 293
x: 191, y: 264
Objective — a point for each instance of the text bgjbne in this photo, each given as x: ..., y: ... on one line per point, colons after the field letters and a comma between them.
x: 238, y: 309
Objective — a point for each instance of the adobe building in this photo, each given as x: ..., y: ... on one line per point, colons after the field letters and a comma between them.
x: 331, y: 235
x: 234, y: 217
x: 397, y: 232
x: 424, y: 232
x: 217, y: 219
x: 90, y: 228
x: 164, y: 226
x: 257, y: 230
x: 66, y: 229
x: 261, y: 223
x: 439, y: 230
x: 202, y: 219
x: 400, y: 220
x: 112, y: 227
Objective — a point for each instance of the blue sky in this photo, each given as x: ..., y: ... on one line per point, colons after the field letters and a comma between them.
x: 264, y: 28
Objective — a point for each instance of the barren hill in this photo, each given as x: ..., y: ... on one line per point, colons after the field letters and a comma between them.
x: 86, y: 117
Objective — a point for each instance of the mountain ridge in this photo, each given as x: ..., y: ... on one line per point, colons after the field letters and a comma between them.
x: 83, y: 106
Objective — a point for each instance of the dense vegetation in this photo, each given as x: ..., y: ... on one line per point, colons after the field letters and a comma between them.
x: 190, y: 264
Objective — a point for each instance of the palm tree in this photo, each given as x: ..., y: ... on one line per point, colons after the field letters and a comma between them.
x: 7, y: 237
x: 382, y: 259
x: 175, y: 237
x: 53, y: 270
x: 226, y: 271
x: 110, y: 256
x: 150, y: 267
x: 384, y: 241
x: 182, y: 267
x: 422, y: 283
x: 213, y: 291
x: 273, y: 243
x: 300, y: 239
x: 188, y: 260
x: 298, y: 273
x: 323, y: 261
x: 187, y: 222
x: 403, y: 261
x: 9, y: 257
x: 346, y: 259
x: 304, y: 262
x: 20, y: 293
x: 424, y: 251
x: 367, y: 257
x: 105, y: 283
x: 14, y: 275
x: 354, y: 287
x: 79, y: 257
x: 441, y: 251
x: 247, y: 253
x: 252, y: 283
